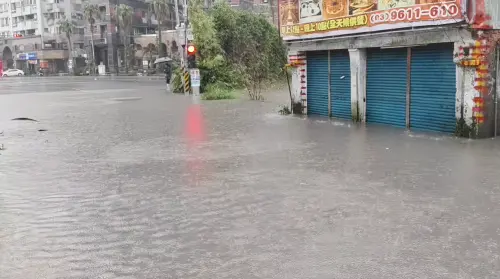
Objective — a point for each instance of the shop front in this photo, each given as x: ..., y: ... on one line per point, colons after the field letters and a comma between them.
x: 433, y: 88
x: 329, y: 84
x: 387, y: 62
x: 412, y: 87
x: 386, y: 79
x: 27, y: 62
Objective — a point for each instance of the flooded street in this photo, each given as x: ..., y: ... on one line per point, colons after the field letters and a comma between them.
x: 128, y: 181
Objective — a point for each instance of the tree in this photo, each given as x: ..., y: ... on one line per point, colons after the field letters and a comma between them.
x: 236, y: 47
x: 162, y: 11
x: 149, y: 51
x: 92, y: 14
x: 213, y: 63
x: 66, y: 26
x: 125, y: 13
x: 261, y: 52
x: 132, y: 61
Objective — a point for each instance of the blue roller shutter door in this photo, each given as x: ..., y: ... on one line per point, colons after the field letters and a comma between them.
x: 433, y: 88
x: 340, y: 84
x: 386, y: 86
x: 317, y: 83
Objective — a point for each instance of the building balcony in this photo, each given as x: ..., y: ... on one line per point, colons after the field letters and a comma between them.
x: 104, y: 18
x: 18, y: 26
x: 28, y: 10
x: 53, y: 8
x: 52, y: 36
x: 31, y: 24
x: 25, y: 25
x: 99, y: 39
x: 16, y: 13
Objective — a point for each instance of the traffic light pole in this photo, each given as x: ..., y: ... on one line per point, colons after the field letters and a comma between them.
x: 189, y: 57
x: 186, y: 24
x: 185, y: 74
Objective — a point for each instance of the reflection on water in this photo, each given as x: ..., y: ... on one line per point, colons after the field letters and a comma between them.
x: 195, y: 131
x: 195, y: 136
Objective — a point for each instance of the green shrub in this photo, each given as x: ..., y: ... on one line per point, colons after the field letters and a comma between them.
x: 177, y: 81
x: 284, y: 110
x: 218, y: 91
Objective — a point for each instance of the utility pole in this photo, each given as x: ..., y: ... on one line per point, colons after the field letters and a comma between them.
x: 118, y: 38
x: 194, y: 73
x: 177, y: 20
x: 186, y: 24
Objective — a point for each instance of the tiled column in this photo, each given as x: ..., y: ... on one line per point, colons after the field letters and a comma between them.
x: 358, y: 83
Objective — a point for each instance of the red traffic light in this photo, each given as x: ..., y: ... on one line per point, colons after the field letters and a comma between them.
x: 191, y: 50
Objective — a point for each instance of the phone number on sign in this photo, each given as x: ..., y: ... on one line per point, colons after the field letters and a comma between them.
x: 416, y: 13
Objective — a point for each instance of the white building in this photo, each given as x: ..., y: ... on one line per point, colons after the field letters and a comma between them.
x: 30, y: 32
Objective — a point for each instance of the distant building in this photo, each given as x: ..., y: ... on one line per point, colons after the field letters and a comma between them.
x: 109, y: 46
x: 30, y: 34
x: 268, y: 8
x: 30, y: 37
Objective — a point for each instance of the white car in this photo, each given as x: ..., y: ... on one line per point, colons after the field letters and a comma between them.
x: 13, y: 73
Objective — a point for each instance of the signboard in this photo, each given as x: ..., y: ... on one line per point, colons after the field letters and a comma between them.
x: 195, y: 77
x: 44, y: 64
x: 27, y: 56
x: 32, y: 56
x: 181, y: 32
x: 302, y: 19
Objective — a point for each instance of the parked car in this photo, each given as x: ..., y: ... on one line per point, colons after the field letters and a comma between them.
x: 13, y: 73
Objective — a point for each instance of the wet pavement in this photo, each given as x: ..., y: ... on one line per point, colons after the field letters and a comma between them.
x: 128, y: 181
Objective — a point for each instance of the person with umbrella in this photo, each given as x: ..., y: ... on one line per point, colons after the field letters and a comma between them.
x: 168, y: 74
x: 167, y: 69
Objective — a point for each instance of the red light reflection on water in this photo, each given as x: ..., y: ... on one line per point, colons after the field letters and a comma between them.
x: 195, y: 136
x: 195, y: 132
